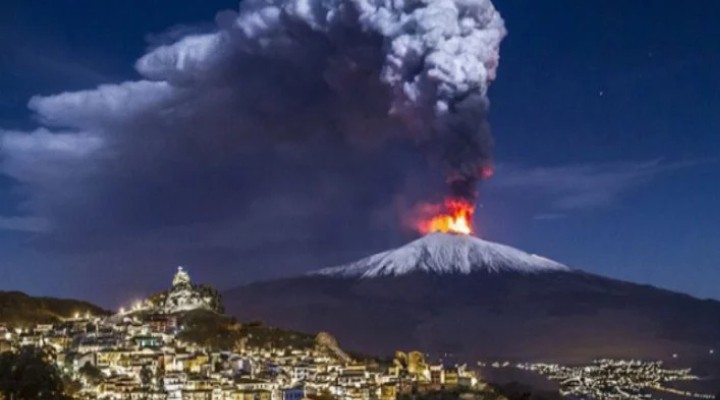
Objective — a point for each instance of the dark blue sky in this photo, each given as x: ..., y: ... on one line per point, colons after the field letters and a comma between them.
x: 605, y: 116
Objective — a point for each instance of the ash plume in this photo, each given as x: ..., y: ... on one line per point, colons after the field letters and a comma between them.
x: 425, y: 63
x: 286, y: 118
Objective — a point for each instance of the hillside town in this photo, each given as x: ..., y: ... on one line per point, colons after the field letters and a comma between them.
x: 155, y: 349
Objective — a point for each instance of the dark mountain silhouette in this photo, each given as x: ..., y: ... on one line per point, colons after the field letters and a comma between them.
x: 20, y: 309
x: 459, y: 295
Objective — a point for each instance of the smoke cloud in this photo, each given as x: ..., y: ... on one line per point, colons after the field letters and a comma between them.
x: 428, y: 63
x: 287, y: 118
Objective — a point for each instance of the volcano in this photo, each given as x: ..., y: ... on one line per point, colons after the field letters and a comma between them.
x: 445, y: 253
x: 453, y: 294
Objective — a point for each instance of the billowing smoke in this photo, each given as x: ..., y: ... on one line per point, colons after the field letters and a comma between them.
x: 298, y: 125
x: 426, y: 64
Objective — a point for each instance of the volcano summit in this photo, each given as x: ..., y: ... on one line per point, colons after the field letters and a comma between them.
x: 446, y: 253
x: 454, y: 293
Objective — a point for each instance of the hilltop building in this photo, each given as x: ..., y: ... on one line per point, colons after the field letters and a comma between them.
x: 183, y: 296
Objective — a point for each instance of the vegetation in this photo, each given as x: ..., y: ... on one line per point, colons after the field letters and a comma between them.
x: 517, y: 391
x: 91, y: 373
x: 146, y: 375
x: 258, y: 334
x: 323, y: 395
x: 19, y: 309
x: 221, y: 332
x: 29, y: 374
x: 209, y: 329
x: 453, y: 394
x: 207, y: 291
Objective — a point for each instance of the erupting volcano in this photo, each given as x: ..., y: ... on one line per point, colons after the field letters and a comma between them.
x: 453, y: 216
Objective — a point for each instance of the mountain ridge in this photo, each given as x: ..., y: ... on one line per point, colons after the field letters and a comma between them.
x: 561, y: 314
x: 19, y: 308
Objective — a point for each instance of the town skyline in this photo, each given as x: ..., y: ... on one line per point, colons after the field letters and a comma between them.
x: 178, y: 344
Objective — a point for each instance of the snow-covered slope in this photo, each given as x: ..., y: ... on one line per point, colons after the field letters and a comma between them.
x: 445, y: 253
x: 517, y: 306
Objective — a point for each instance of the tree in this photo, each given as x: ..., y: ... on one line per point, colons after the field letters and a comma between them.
x: 323, y: 395
x: 146, y: 375
x: 517, y: 391
x: 209, y: 292
x: 28, y: 374
x: 209, y: 329
x: 91, y: 373
x: 72, y: 387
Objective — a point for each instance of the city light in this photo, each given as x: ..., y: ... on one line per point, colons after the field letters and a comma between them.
x: 616, y: 379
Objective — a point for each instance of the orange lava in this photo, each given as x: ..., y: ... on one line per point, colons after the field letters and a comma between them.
x: 453, y: 216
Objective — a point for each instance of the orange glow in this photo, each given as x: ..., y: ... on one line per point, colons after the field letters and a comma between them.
x: 454, y: 216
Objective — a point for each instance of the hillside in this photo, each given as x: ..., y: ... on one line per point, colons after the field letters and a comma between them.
x: 20, y: 309
x: 221, y: 332
x: 480, y: 300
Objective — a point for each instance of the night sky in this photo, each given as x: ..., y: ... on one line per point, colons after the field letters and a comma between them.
x: 605, y: 114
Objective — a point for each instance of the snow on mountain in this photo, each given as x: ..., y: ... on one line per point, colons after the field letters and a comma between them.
x: 445, y: 253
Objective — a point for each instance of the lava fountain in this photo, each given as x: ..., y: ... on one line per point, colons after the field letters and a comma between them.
x: 452, y: 216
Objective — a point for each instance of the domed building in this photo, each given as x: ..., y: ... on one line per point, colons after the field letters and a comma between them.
x: 183, y: 296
